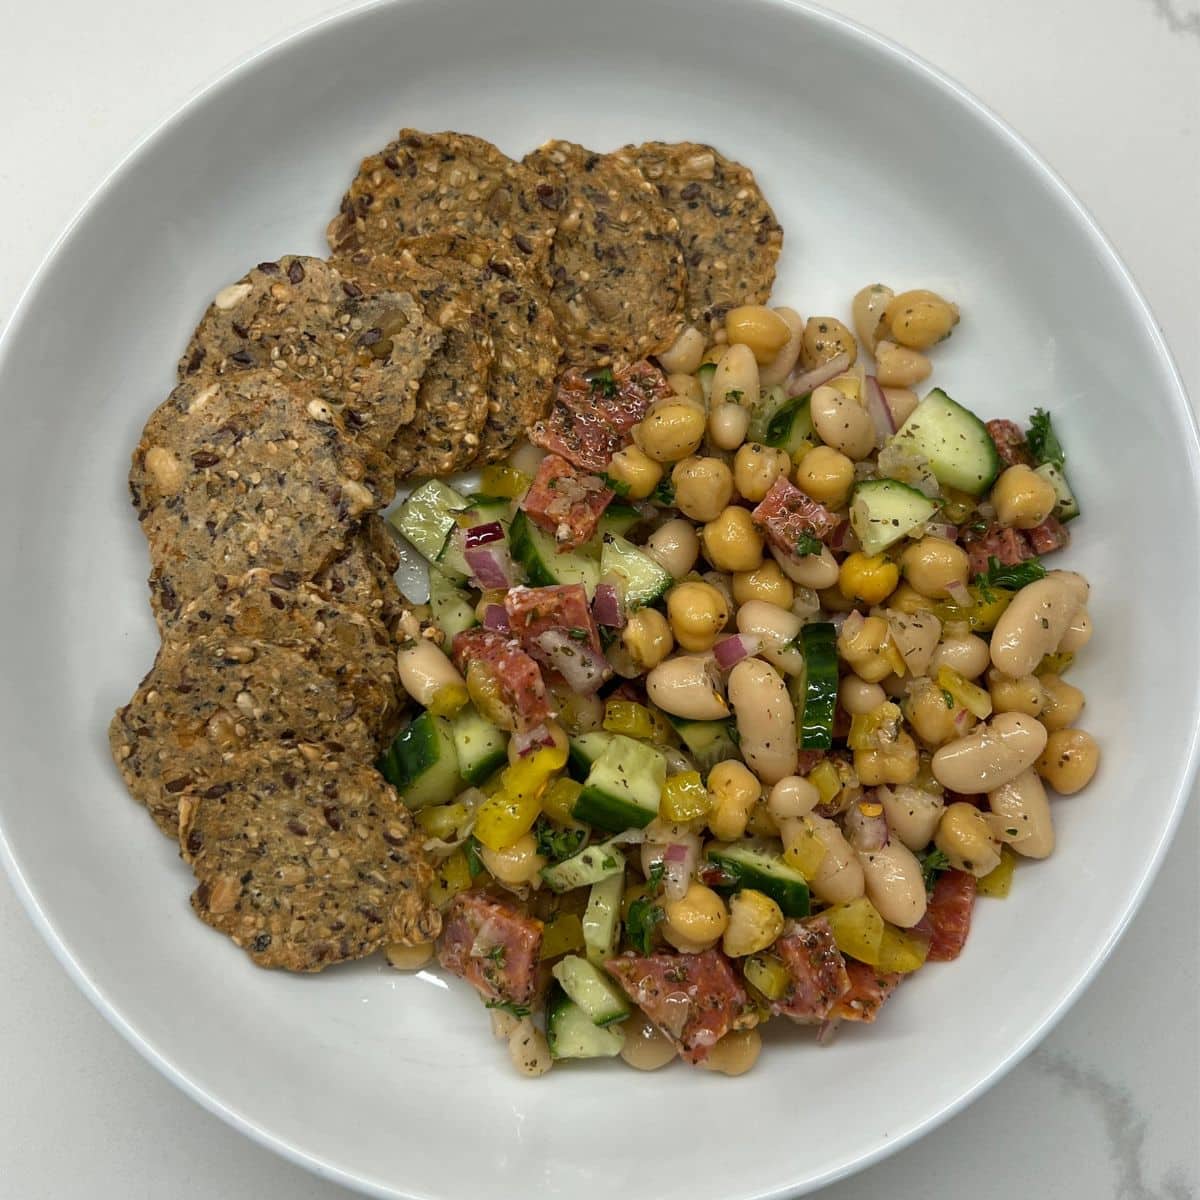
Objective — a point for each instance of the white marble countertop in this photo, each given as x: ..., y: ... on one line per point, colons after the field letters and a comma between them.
x: 1109, y: 1106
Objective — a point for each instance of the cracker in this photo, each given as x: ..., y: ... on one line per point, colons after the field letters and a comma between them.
x: 616, y: 268
x: 306, y: 864
x: 364, y: 574
x: 731, y: 239
x: 360, y: 349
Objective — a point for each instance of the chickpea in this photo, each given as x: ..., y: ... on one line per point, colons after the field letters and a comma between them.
x: 732, y: 542
x: 898, y: 763
x: 735, y: 1053
x: 727, y: 425
x: 861, y: 649
x: 646, y: 1047
x: 703, y: 487
x: 675, y: 546
x: 933, y: 564
x: 868, y: 309
x: 842, y: 422
x: 900, y: 367
x: 826, y: 475
x: 1069, y: 760
x: 825, y: 338
x: 767, y: 583
x: 647, y: 638
x: 964, y: 838
x: 1062, y: 705
x: 684, y: 356
x: 636, y: 470
x: 734, y: 790
x: 755, y: 921
x: 792, y: 797
x: 697, y: 612
x: 901, y: 402
x: 516, y: 864
x: 695, y: 922
x: 780, y: 367
x: 735, y: 381
x: 931, y: 718
x: 409, y: 958
x: 755, y: 469
x: 1023, y: 499
x: 670, y: 431
x: 1023, y: 695
x: 756, y: 326
x: 870, y: 578
x: 920, y: 319
x: 964, y: 653
x: 858, y: 697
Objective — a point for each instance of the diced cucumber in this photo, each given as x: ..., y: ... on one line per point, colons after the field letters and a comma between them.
x: 481, y: 747
x: 705, y: 373
x: 818, y: 686
x: 708, y: 742
x: 759, y: 865
x: 592, y: 990
x: 623, y: 787
x: 956, y: 443
x: 571, y: 1033
x: 484, y: 509
x: 480, y: 510
x: 451, y: 606
x: 602, y: 919
x: 584, y: 749
x: 590, y: 865
x: 763, y: 410
x: 643, y: 580
x: 422, y: 763
x: 618, y: 518
x: 883, y: 511
x: 544, y: 566
x: 1067, y: 507
x: 426, y: 518
x: 791, y: 426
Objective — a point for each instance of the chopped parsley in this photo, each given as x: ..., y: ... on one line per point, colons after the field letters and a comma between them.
x: 657, y: 870
x: 932, y: 864
x: 516, y: 1010
x: 556, y: 844
x: 949, y: 699
x: 806, y: 544
x: 474, y: 862
x: 734, y: 396
x: 664, y: 494
x: 603, y: 381
x: 497, y: 955
x: 578, y: 635
x: 1014, y: 578
x: 1043, y: 441
x: 644, y: 917
x: 614, y: 485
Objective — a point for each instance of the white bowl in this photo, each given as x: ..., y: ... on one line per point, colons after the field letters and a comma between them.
x: 879, y: 168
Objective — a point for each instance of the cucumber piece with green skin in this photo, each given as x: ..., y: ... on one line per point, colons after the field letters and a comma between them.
x: 481, y: 748
x: 584, y: 749
x: 643, y: 580
x: 618, y: 518
x: 764, y: 410
x: 954, y: 441
x: 426, y: 518
x: 544, y: 566
x: 592, y: 990
x: 708, y: 742
x: 571, y: 1033
x: 1066, y: 507
x: 602, y: 919
x: 623, y: 788
x: 705, y: 373
x: 791, y: 426
x: 758, y: 865
x: 882, y: 511
x: 818, y: 642
x: 590, y: 865
x: 450, y: 605
x: 480, y: 510
x: 422, y: 763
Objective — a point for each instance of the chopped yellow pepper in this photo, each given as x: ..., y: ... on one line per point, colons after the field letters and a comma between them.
x: 857, y: 928
x: 956, y: 506
x: 452, y: 877
x: 558, y: 800
x: 980, y: 615
x: 484, y: 690
x: 768, y: 974
x: 901, y: 951
x: 876, y: 729
x: 803, y: 850
x: 804, y: 447
x: 1055, y: 664
x: 442, y: 820
x: 563, y: 934
x: 890, y: 653
x: 629, y: 718
x: 501, y: 480
x: 511, y: 811
x: 965, y: 694
x: 448, y: 699
x: 684, y: 798
x: 998, y: 882
x: 824, y: 777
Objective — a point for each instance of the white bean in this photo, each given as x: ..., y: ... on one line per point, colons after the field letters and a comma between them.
x: 912, y: 814
x: 780, y: 367
x: 992, y: 755
x: 894, y: 883
x: 736, y: 378
x: 842, y: 423
x: 839, y: 876
x: 792, y: 797
x: 778, y: 629
x: 1079, y: 632
x: 1035, y: 621
x: 966, y: 654
x: 728, y: 425
x: 675, y: 546
x: 688, y: 685
x: 424, y: 670
x: 858, y: 697
x: 766, y: 720
x: 684, y: 356
x: 646, y: 1047
x: 528, y: 1049
x: 1025, y: 824
x: 816, y: 571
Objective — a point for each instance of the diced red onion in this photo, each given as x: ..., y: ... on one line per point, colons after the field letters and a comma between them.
x: 852, y: 623
x: 731, y: 650
x: 607, y: 607
x: 483, y: 535
x: 800, y: 382
x: 491, y: 566
x: 495, y: 616
x: 583, y: 668
x: 679, y: 862
x: 675, y: 853
x: 841, y: 537
x: 863, y: 832
x: 526, y: 741
x: 876, y: 405
x: 959, y: 594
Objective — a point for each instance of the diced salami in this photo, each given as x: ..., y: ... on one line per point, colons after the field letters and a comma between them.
x: 516, y: 677
x: 532, y: 611
x: 1010, y: 443
x: 1009, y: 546
x: 869, y: 989
x: 695, y: 999
x: 566, y: 503
x: 786, y: 514
x: 582, y: 439
x: 492, y: 946
x: 818, y: 971
x: 947, y: 919
x: 1049, y: 536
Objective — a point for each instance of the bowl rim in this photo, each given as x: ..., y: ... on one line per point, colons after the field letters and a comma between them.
x: 1178, y: 400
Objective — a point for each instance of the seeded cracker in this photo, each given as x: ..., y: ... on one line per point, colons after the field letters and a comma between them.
x: 617, y: 277
x: 360, y: 349
x: 731, y: 239
x: 306, y: 864
x: 241, y: 472
x: 364, y: 574
x: 430, y: 182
